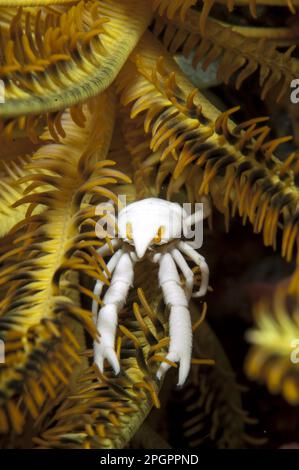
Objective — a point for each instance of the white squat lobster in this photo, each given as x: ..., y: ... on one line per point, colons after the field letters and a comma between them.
x: 144, y: 230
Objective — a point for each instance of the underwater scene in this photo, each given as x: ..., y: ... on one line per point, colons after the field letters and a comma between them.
x: 149, y: 224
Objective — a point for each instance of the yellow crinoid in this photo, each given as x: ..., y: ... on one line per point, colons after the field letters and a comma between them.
x: 93, y: 105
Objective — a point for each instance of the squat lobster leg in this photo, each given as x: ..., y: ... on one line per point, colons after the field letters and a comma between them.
x: 187, y: 272
x: 100, y: 284
x: 180, y: 326
x: 106, y: 250
x: 151, y: 228
x: 113, y: 301
x: 201, y: 262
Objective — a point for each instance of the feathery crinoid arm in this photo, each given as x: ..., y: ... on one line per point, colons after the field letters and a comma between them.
x: 59, y: 57
x: 236, y: 161
x: 238, y: 56
x: 40, y: 348
x: 273, y: 356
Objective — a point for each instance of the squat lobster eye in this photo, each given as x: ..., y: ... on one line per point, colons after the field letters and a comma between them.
x: 158, y: 237
x: 129, y: 232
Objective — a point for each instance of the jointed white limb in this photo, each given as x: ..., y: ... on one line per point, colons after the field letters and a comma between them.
x: 100, y: 284
x: 201, y: 262
x: 106, y: 250
x: 187, y: 272
x: 113, y: 301
x: 180, y: 327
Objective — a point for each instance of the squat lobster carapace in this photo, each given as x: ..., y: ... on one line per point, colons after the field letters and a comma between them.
x: 152, y: 228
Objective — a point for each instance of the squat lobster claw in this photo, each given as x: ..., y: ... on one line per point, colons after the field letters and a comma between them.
x: 151, y: 227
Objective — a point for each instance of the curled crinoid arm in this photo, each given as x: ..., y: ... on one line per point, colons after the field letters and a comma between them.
x: 273, y: 355
x: 54, y: 43
x: 197, y: 216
